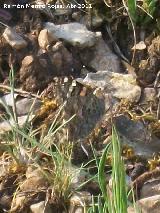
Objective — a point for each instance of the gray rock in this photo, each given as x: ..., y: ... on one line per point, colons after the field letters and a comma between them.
x: 100, y: 57
x: 74, y: 33
x: 135, y: 134
x: 121, y: 86
x: 23, y: 106
x: 14, y: 39
x: 6, y: 126
x: 27, y: 105
x: 150, y: 188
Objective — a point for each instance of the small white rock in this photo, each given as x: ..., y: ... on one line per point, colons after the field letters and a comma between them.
x: 139, y: 46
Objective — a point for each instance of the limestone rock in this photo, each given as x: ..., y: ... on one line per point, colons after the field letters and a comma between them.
x: 121, y: 86
x: 74, y: 33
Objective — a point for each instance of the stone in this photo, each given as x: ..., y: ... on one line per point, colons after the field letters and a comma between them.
x: 150, y: 188
x: 35, y: 179
x: 75, y: 34
x: 134, y: 134
x: 35, y: 72
x: 147, y: 205
x: 46, y: 39
x: 8, y: 99
x: 27, y: 105
x: 40, y: 207
x: 121, y: 86
x: 100, y: 57
x: 78, y: 200
x: 7, y: 125
x: 139, y: 46
x: 39, y: 70
x: 14, y: 39
x: 23, y: 106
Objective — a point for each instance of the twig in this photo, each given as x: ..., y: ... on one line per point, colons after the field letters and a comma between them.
x: 24, y: 93
x: 3, y: 24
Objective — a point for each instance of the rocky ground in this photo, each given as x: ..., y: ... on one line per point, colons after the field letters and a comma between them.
x: 83, y: 60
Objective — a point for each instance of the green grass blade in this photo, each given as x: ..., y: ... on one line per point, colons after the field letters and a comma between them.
x: 102, y: 178
x: 132, y: 9
x: 118, y: 176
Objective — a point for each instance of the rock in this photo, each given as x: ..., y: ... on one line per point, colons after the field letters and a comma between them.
x: 139, y: 46
x: 89, y: 110
x: 6, y: 126
x: 27, y: 105
x: 131, y: 209
x: 134, y: 134
x: 78, y: 201
x: 40, y: 207
x: 137, y: 170
x: 46, y: 39
x: 121, y: 86
x: 147, y: 205
x: 63, y: 61
x: 37, y: 71
x: 74, y: 33
x: 23, y: 106
x: 100, y: 57
x: 8, y: 99
x: 14, y: 39
x: 35, y: 179
x: 150, y: 188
